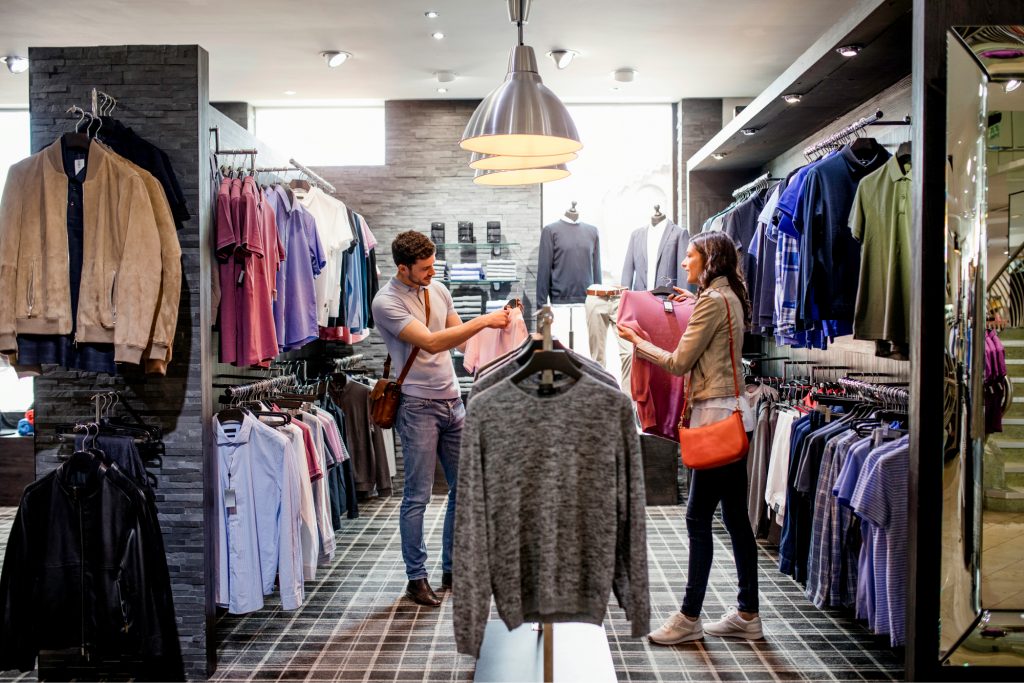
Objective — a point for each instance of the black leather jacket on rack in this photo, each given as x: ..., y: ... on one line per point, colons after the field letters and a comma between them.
x: 85, y: 570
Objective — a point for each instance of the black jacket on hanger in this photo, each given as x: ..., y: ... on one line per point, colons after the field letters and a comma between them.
x: 85, y: 570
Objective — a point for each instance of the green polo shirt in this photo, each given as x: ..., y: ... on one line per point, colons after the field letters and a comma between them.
x: 880, y: 221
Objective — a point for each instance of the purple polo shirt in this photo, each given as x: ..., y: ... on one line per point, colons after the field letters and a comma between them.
x: 295, y: 308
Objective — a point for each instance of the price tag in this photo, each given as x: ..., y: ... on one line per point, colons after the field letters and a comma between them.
x: 230, y: 501
x: 79, y: 165
x: 668, y: 306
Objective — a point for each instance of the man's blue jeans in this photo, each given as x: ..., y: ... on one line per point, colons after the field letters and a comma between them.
x: 430, y: 430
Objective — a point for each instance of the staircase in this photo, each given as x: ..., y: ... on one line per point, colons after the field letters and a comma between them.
x: 1005, y: 490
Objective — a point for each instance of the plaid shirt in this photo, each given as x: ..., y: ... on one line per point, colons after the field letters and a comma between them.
x: 824, y: 559
x: 787, y: 286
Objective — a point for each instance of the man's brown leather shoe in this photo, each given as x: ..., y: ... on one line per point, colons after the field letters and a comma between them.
x: 419, y: 592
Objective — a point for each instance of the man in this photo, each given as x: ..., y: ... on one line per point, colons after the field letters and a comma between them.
x: 430, y: 413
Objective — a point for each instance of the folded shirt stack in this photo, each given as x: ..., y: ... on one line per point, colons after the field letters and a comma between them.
x: 441, y: 267
x: 500, y: 269
x: 465, y: 384
x: 495, y: 305
x: 465, y: 271
x: 468, y: 305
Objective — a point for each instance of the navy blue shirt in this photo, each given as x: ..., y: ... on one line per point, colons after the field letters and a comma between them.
x: 740, y: 224
x: 831, y: 253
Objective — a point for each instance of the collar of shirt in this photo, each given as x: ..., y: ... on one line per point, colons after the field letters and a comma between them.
x: 240, y: 437
x: 895, y: 170
x: 406, y: 289
x: 282, y: 195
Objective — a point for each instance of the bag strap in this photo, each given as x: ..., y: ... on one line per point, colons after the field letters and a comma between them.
x: 415, y: 351
x: 732, y: 359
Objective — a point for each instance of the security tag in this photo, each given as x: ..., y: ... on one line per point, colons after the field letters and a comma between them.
x: 668, y: 306
x: 230, y: 502
x: 79, y: 165
x: 241, y: 278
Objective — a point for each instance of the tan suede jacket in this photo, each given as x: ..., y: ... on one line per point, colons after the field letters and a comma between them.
x: 119, y: 294
x: 703, y: 350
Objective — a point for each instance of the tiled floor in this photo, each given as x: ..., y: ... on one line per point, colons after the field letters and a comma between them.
x: 354, y: 625
x: 1002, y: 560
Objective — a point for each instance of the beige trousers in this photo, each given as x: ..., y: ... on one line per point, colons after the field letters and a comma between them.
x: 602, y: 312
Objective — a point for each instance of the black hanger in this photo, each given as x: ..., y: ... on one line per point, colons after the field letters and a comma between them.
x: 866, y: 150
x: 555, y: 360
x: 78, y: 142
x: 903, y: 155
x: 664, y: 290
x: 231, y: 415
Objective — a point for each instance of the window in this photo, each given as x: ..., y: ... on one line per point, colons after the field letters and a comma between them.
x: 623, y: 170
x: 325, y: 136
x: 14, y: 139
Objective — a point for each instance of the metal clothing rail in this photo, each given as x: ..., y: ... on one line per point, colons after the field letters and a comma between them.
x: 263, y: 385
x: 753, y: 186
x: 315, y: 176
x: 873, y: 120
x: 889, y: 394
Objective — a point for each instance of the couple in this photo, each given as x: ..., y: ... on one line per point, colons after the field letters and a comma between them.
x: 431, y: 415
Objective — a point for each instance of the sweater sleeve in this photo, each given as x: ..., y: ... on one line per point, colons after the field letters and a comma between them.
x: 166, y: 319
x: 630, y: 582
x: 706, y: 319
x: 10, y: 246
x: 472, y: 597
x: 544, y: 267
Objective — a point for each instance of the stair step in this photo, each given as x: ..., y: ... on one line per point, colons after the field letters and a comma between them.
x: 1009, y: 493
x: 1015, y: 361
x: 1013, y: 468
x: 1016, y: 380
x: 1019, y: 421
x: 1012, y: 342
x: 1009, y: 444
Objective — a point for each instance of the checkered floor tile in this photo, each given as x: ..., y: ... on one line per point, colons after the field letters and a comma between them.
x: 355, y: 626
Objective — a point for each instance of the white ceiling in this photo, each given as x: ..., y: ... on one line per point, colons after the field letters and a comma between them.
x: 261, y: 48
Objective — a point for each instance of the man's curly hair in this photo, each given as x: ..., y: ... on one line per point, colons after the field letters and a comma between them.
x: 411, y: 246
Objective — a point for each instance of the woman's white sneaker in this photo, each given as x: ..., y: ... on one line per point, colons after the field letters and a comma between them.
x: 677, y: 629
x: 733, y: 625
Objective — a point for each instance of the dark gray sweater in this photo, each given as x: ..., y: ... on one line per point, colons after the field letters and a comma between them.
x: 550, y: 515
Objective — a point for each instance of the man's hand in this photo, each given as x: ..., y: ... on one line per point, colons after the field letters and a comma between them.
x: 498, y: 320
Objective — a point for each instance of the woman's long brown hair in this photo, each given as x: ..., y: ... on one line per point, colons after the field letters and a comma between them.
x: 721, y: 259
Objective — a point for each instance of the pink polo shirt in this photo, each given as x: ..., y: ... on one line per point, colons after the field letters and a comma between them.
x: 228, y: 240
x: 658, y: 393
x: 490, y: 343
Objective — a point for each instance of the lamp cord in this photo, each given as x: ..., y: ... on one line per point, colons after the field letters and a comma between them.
x: 520, y: 25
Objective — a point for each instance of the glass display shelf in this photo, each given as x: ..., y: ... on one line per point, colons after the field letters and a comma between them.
x: 481, y: 245
x: 475, y: 282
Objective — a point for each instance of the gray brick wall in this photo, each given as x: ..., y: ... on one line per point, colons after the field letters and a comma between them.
x: 427, y: 178
x: 161, y: 90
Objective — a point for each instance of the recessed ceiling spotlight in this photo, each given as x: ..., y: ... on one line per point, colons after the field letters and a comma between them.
x: 562, y: 58
x: 442, y: 90
x: 749, y: 131
x: 444, y: 76
x: 1009, y: 86
x: 437, y: 35
x: 718, y: 156
x: 849, y: 50
x: 335, y: 58
x: 289, y: 92
x: 792, y: 98
x: 431, y: 14
x: 15, y: 64
x: 624, y: 75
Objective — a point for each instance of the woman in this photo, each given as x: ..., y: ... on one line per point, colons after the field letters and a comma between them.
x: 703, y: 351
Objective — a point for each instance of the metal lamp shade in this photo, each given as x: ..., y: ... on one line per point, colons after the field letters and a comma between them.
x: 521, y: 117
x: 522, y: 176
x: 485, y: 162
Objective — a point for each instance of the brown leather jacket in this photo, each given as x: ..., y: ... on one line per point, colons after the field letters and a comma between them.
x: 119, y: 292
x: 703, y: 350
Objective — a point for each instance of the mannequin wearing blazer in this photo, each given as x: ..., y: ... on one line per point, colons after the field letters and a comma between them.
x: 669, y: 257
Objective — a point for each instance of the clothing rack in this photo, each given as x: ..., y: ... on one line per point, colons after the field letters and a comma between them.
x: 753, y: 186
x: 347, y: 361
x: 315, y: 176
x: 832, y: 140
x: 235, y: 391
x: 217, y: 151
x: 889, y: 394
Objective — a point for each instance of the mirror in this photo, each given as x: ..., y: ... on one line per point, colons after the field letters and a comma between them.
x: 982, y: 598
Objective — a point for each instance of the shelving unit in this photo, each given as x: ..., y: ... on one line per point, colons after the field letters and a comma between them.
x: 476, y: 282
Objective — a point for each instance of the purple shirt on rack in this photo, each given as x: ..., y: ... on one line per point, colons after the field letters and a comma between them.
x: 295, y: 308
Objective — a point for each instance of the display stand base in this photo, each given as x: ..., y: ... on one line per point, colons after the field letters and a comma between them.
x: 581, y: 653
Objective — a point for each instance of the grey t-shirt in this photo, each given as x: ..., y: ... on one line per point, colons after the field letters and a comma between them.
x: 433, y: 374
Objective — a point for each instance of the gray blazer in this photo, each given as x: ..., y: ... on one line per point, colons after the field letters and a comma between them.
x: 670, y: 256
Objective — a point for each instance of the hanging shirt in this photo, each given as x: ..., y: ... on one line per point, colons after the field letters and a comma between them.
x: 250, y: 470
x: 321, y: 501
x: 295, y: 311
x: 490, y: 343
x: 740, y: 224
x: 881, y: 221
x: 309, y: 535
x: 335, y: 233
x: 778, y: 464
x: 658, y: 393
x: 257, y: 336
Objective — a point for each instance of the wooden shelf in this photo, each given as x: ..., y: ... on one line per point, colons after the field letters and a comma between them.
x: 831, y: 85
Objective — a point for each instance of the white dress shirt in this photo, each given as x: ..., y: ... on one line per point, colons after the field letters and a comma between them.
x: 654, y: 235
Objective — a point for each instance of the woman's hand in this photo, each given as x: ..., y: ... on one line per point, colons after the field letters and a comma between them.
x: 680, y: 295
x: 628, y: 334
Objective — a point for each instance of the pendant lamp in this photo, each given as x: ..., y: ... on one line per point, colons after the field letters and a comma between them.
x: 521, y: 117
x: 522, y: 176
x: 487, y: 162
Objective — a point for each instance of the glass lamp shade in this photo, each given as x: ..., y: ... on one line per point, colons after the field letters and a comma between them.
x: 507, y: 163
x: 521, y: 117
x: 522, y: 176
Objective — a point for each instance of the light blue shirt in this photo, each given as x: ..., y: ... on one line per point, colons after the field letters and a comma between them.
x: 396, y: 305
x: 251, y: 470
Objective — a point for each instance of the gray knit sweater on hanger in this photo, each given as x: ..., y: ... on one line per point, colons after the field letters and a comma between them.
x: 550, y: 515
